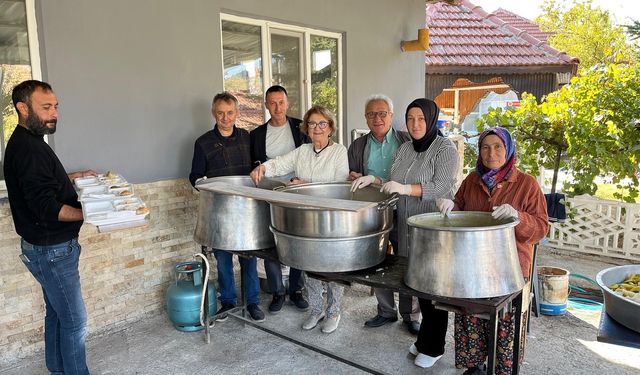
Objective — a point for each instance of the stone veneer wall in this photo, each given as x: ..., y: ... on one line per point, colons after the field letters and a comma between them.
x: 124, y: 274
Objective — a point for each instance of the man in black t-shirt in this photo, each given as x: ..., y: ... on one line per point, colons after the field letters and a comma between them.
x: 47, y: 215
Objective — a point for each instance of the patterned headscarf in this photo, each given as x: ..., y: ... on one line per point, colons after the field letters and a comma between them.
x: 430, y: 111
x: 492, y: 176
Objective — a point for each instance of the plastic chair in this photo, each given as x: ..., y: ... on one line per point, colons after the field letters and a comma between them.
x: 535, y: 302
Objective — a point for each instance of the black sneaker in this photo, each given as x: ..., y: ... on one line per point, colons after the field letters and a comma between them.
x: 379, y: 321
x: 298, y: 299
x: 222, y: 316
x: 256, y: 314
x: 276, y: 304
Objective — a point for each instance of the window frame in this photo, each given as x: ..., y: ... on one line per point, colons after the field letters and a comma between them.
x: 265, y: 33
x: 34, y: 57
x: 34, y: 44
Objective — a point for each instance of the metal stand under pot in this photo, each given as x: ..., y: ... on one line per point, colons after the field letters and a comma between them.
x: 228, y: 221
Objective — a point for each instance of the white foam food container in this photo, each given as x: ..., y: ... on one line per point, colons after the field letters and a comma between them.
x: 112, y: 211
x: 111, y: 179
x: 82, y: 182
x: 101, y: 192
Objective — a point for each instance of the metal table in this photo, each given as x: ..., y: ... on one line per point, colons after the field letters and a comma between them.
x: 613, y: 332
x: 390, y: 275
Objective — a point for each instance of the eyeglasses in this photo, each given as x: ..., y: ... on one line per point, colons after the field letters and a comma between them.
x: 321, y: 124
x: 372, y: 115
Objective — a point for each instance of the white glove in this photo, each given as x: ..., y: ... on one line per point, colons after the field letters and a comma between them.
x: 504, y: 211
x: 396, y: 187
x: 198, y: 181
x: 444, y: 205
x: 361, y: 182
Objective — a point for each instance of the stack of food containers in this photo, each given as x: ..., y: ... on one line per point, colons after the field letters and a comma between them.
x: 108, y: 201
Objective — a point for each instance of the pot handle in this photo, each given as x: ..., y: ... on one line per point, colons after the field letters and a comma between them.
x: 278, y: 188
x: 389, y: 202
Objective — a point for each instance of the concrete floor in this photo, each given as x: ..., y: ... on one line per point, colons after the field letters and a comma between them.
x: 557, y: 345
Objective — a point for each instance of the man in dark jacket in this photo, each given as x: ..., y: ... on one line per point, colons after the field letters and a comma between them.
x: 370, y: 160
x: 47, y: 215
x: 224, y: 151
x: 276, y: 137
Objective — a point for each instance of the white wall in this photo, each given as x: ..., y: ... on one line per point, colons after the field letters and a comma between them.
x: 135, y: 78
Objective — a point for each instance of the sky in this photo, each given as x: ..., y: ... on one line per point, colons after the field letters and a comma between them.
x: 622, y: 11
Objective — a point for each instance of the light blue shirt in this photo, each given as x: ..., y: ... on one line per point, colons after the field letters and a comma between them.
x: 381, y: 155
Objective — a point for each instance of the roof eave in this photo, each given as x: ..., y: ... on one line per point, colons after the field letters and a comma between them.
x: 510, y: 69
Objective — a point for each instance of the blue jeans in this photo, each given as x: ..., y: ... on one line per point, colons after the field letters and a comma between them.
x: 226, y: 279
x: 273, y: 269
x: 56, y: 269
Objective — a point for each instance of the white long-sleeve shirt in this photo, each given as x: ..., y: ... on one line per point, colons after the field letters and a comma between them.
x: 330, y: 165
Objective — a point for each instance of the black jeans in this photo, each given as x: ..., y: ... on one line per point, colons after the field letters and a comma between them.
x: 273, y: 269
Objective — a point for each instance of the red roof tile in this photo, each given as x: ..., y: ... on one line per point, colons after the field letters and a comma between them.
x: 250, y: 110
x: 523, y: 24
x: 466, y: 35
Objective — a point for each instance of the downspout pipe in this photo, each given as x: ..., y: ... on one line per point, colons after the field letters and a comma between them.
x: 421, y: 44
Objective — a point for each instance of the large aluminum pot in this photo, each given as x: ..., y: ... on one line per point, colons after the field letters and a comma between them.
x: 623, y: 310
x: 466, y: 254
x: 232, y: 222
x: 306, y: 221
x: 331, y: 254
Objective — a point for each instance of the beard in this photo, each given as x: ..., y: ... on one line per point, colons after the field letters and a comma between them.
x: 39, y: 126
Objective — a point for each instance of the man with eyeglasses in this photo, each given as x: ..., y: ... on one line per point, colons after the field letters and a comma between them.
x: 277, y: 137
x: 370, y: 160
x: 225, y: 151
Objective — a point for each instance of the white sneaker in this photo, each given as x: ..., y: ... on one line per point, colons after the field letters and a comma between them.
x: 425, y: 361
x: 331, y: 324
x: 312, y: 321
x: 413, y: 350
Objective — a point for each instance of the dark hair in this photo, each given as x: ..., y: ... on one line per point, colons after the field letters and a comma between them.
x: 275, y: 88
x: 225, y: 96
x: 23, y: 91
x: 322, y: 111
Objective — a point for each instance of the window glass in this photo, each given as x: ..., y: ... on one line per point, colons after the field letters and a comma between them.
x: 15, y: 63
x: 286, y: 68
x: 305, y: 61
x: 241, y: 53
x: 324, y: 72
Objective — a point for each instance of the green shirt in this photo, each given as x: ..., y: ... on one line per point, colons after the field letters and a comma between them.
x: 381, y: 155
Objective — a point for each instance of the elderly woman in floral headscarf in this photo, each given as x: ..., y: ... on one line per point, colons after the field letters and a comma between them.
x: 498, y: 186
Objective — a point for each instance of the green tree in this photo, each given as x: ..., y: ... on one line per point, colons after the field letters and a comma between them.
x: 324, y: 93
x: 590, y: 127
x: 10, y: 76
x: 634, y: 30
x: 324, y: 89
x: 585, y: 32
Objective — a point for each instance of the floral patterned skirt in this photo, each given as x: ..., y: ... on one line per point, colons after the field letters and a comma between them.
x: 471, y: 335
